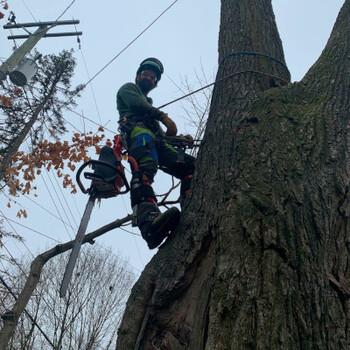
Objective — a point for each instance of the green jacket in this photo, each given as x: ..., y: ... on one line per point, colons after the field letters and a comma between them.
x: 132, y: 102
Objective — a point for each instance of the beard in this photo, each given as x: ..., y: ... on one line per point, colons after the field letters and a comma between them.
x: 145, y: 85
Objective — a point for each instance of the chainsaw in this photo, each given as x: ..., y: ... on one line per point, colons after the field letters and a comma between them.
x: 108, y: 180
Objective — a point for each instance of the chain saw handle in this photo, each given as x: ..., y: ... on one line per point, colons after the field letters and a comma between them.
x: 92, y: 176
x: 181, y: 141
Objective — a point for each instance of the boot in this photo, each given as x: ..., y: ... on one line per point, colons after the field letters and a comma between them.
x: 154, y: 225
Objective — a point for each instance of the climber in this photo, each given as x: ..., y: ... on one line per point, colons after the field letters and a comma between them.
x: 139, y: 122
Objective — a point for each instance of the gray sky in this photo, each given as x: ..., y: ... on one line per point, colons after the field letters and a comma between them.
x: 185, y: 39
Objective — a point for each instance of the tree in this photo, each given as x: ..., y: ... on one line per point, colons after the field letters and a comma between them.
x: 36, y: 111
x: 32, y: 126
x: 86, y: 318
x: 260, y: 259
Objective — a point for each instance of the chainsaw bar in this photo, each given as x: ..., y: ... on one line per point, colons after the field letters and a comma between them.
x: 76, y: 246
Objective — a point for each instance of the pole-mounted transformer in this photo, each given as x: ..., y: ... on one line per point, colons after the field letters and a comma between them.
x: 19, y: 67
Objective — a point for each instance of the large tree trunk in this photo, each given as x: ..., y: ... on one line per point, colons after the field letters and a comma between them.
x: 260, y: 259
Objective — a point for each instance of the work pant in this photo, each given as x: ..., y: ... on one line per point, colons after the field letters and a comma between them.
x: 150, y: 153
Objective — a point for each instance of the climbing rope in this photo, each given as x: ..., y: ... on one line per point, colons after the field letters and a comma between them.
x: 238, y: 54
x: 223, y: 79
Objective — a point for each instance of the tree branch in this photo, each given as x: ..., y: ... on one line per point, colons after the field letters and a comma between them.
x: 35, y: 273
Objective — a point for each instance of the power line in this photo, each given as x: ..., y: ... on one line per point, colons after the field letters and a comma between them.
x: 31, y: 229
x: 131, y: 42
x: 55, y: 191
x: 111, y: 61
x: 89, y: 119
x: 54, y: 203
x: 56, y: 20
x: 28, y: 9
x: 115, y: 57
x: 65, y: 10
x: 21, y: 240
x: 91, y: 86
x: 41, y: 207
x: 72, y: 125
x: 65, y: 200
x: 59, y: 200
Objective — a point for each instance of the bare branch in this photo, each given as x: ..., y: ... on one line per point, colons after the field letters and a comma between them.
x: 35, y: 273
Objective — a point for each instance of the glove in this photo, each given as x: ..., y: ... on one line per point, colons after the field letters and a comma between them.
x: 171, y: 129
x: 188, y: 138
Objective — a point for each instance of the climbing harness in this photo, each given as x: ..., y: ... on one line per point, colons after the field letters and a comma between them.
x: 108, y: 180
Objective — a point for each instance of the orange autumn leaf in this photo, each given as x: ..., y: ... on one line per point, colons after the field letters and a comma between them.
x: 58, y: 155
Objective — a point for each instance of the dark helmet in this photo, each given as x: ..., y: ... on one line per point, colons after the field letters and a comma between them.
x: 153, y: 64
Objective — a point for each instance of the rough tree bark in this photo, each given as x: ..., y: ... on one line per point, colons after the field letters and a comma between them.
x: 261, y: 257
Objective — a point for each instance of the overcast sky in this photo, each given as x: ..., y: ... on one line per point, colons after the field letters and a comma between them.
x: 185, y: 39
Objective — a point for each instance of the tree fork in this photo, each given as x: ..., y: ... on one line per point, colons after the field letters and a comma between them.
x: 6, y: 160
x: 261, y: 257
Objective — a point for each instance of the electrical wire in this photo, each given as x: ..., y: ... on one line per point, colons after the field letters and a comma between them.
x: 65, y: 10
x: 41, y: 207
x: 30, y: 12
x: 51, y: 25
x: 54, y: 203
x: 131, y: 42
x: 110, y: 61
x: 89, y: 119
x: 21, y: 240
x: 31, y: 229
x: 88, y: 75
x: 25, y: 245
x: 91, y: 86
x: 65, y: 200
x: 59, y: 200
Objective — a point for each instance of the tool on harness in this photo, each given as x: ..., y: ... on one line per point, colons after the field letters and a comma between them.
x: 107, y: 181
x: 181, y: 143
x: 108, y: 177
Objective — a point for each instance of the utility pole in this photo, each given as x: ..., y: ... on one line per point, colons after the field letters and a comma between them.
x: 32, y: 39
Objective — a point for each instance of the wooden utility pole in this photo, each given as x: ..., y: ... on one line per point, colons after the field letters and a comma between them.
x: 32, y: 39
